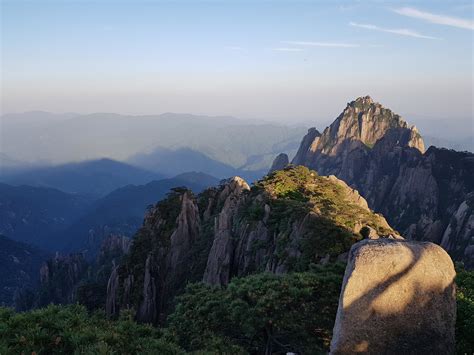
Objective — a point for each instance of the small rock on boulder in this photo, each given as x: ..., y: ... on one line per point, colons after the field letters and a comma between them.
x: 398, y: 297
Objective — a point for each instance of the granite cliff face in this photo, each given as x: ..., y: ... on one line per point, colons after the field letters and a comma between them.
x: 285, y: 222
x: 376, y: 152
x: 459, y: 235
x: 71, y: 278
x: 59, y: 278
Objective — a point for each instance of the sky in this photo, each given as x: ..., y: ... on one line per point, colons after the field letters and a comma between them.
x: 284, y: 61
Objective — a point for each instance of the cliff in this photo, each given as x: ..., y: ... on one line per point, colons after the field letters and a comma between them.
x: 287, y: 221
x: 376, y: 152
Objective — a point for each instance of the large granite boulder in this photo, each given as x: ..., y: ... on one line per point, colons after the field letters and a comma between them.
x: 398, y: 297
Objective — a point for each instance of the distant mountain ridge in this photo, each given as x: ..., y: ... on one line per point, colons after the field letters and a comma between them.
x: 380, y: 155
x: 94, y: 177
x: 173, y: 162
x: 33, y: 214
x: 73, y: 137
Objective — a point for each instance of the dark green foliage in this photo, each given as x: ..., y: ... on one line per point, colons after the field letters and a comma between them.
x: 262, y: 312
x: 465, y: 311
x: 92, y: 295
x: 71, y: 330
x: 321, y: 237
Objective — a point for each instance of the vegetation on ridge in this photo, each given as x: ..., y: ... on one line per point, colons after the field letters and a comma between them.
x: 331, y: 220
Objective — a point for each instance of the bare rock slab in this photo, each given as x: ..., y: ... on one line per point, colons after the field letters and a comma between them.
x: 398, y: 297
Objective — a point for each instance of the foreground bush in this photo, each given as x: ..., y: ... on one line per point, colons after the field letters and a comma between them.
x: 71, y: 330
x: 256, y: 314
x: 465, y: 311
x: 262, y: 313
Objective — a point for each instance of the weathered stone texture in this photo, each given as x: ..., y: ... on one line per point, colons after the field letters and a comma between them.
x: 398, y: 297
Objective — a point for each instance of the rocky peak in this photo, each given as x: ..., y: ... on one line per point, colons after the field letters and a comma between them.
x: 307, y: 147
x: 361, y: 126
x: 280, y: 162
x: 366, y: 121
x: 422, y: 194
x: 362, y: 102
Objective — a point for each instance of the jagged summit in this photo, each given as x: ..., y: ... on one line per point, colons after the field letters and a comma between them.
x: 368, y: 121
x: 363, y: 100
x: 362, y: 124
x: 374, y: 150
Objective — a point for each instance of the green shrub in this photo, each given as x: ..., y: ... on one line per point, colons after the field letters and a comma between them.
x: 262, y: 312
x: 71, y: 330
x: 465, y: 311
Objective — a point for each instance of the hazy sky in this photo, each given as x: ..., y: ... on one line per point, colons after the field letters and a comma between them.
x: 290, y: 61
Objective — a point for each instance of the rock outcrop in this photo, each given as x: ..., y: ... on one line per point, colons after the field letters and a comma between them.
x: 59, y: 278
x: 458, y: 237
x: 307, y: 147
x: 286, y: 222
x: 280, y: 162
x: 72, y: 278
x: 219, y: 261
x: 398, y: 297
x: 376, y: 152
x: 160, y: 259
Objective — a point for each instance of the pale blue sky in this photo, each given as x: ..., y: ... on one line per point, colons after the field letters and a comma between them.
x: 287, y: 61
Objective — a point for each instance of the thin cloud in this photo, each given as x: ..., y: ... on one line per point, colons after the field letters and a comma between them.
x: 437, y: 19
x: 322, y: 44
x: 287, y: 49
x: 398, y: 31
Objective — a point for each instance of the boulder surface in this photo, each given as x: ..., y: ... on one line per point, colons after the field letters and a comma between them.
x: 398, y: 297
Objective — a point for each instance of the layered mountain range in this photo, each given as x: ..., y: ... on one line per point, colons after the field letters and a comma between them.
x: 426, y: 195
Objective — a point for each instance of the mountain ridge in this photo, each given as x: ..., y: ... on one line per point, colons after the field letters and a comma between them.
x: 417, y: 191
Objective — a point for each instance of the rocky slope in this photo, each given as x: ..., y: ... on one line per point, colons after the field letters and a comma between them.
x: 376, y: 152
x: 286, y: 222
x: 71, y: 278
x: 19, y: 265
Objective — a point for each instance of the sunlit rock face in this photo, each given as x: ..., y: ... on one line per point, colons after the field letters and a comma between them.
x: 398, y: 297
x: 378, y: 153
